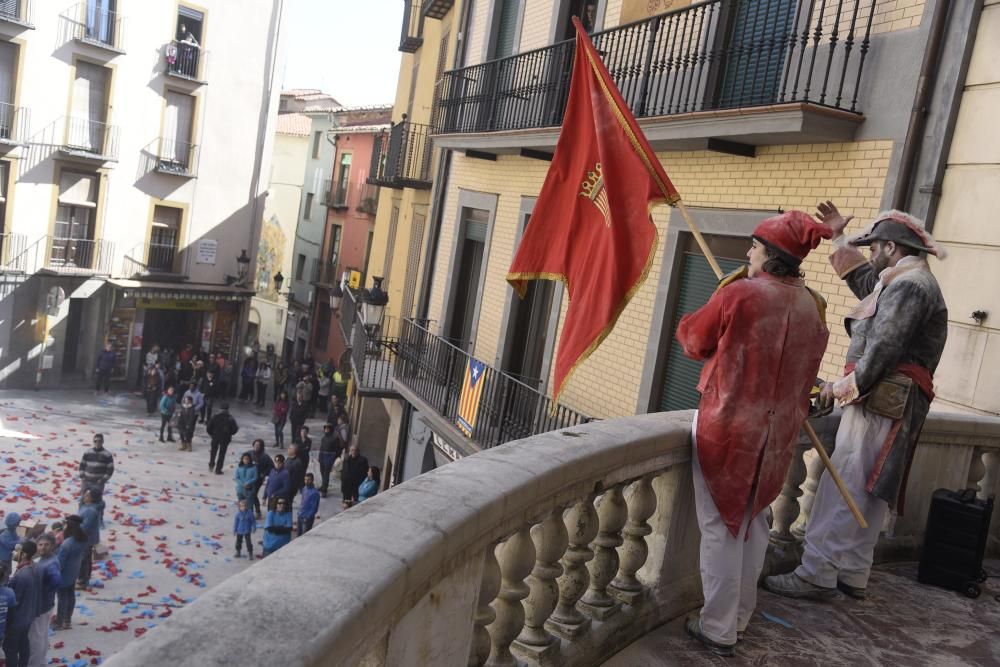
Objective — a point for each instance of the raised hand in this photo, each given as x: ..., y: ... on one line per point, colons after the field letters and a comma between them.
x: 827, y: 213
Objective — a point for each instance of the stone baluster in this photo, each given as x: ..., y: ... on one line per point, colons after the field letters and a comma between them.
x: 641, y: 503
x: 984, y: 471
x: 785, y: 508
x: 488, y: 589
x: 550, y: 539
x: 611, y: 515
x: 976, y: 469
x: 814, y: 470
x: 581, y: 524
x: 517, y: 556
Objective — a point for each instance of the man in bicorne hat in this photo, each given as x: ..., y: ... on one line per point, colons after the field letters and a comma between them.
x: 898, y: 331
x: 762, y: 339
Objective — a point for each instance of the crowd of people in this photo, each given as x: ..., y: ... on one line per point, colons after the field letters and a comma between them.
x: 39, y: 577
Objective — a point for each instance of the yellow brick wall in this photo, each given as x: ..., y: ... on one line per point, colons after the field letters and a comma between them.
x: 786, y: 177
x: 612, y: 11
x: 535, y: 26
x: 889, y: 15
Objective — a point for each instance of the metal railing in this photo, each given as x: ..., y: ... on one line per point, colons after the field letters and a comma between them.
x: 401, y: 157
x: 66, y: 255
x: 147, y: 258
x: 412, y: 33
x: 326, y: 273
x: 338, y: 196
x: 373, y: 354
x: 13, y: 123
x: 348, y: 315
x: 89, y: 23
x: 369, y: 199
x: 715, y: 54
x: 91, y: 137
x: 12, y: 248
x: 185, y: 60
x: 328, y: 192
x: 508, y: 409
x: 16, y: 11
x: 176, y: 157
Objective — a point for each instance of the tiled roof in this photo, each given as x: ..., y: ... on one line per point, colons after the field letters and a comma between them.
x: 295, y: 124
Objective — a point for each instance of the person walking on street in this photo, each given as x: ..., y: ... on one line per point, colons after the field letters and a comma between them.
x: 96, y: 468
x: 248, y: 376
x: 305, y: 447
x: 106, y: 361
x: 898, y: 332
x: 310, y: 505
x: 297, y: 414
x: 263, y: 380
x: 168, y: 406
x: 329, y: 451
x: 48, y: 566
x: 279, y: 415
x: 70, y: 557
x: 186, y: 422
x: 212, y: 391
x: 354, y: 472
x: 264, y: 466
x: 221, y: 428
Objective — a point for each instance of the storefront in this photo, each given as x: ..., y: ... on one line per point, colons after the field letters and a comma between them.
x: 168, y: 315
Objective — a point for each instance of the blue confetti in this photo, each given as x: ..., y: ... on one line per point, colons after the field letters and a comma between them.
x: 778, y: 620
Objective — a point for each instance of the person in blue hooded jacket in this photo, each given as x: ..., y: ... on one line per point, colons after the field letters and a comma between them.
x: 278, y: 527
x: 279, y: 484
x: 369, y: 487
x: 70, y: 558
x: 244, y: 524
x: 245, y: 476
x: 91, y: 525
x: 8, y: 541
x: 7, y: 603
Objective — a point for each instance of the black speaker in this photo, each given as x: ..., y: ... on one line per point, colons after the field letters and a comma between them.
x: 958, y: 526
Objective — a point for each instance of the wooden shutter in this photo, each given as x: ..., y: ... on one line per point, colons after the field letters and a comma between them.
x: 698, y: 282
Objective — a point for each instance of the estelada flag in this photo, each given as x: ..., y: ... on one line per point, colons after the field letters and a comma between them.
x: 472, y: 392
x: 590, y: 227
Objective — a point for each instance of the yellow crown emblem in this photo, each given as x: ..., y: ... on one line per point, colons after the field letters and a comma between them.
x: 593, y: 189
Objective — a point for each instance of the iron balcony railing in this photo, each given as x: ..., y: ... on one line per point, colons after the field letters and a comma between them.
x: 91, y: 138
x: 328, y: 192
x: 373, y: 354
x: 401, y: 157
x: 185, y: 60
x: 712, y: 55
x: 12, y: 258
x: 150, y: 258
x: 412, y: 33
x: 338, y: 196
x: 369, y: 199
x: 176, y: 157
x: 13, y: 124
x: 434, y: 370
x: 87, y: 22
x: 348, y: 314
x: 65, y: 255
x: 16, y: 11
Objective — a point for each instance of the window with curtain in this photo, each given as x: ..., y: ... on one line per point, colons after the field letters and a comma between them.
x: 73, y: 231
x: 164, y: 238
x: 178, y: 122
x: 89, y: 107
x: 343, y: 179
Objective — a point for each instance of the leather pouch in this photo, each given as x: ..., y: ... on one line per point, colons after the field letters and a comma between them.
x: 889, y: 396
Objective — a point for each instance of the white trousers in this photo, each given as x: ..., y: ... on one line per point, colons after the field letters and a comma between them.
x: 38, y: 640
x: 836, y: 547
x: 730, y: 566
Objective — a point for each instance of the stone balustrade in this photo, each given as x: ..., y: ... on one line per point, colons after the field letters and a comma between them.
x: 559, y: 550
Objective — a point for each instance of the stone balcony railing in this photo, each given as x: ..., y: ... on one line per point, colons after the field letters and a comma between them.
x: 559, y: 549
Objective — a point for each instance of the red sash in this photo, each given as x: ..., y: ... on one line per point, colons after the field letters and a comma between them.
x: 920, y: 375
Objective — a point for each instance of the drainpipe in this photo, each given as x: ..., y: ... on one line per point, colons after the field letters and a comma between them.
x: 918, y: 115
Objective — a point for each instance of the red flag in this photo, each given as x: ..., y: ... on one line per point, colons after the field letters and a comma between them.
x: 590, y: 227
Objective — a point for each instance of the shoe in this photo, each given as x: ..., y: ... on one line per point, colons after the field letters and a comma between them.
x: 791, y: 585
x: 161, y: 439
x: 250, y: 556
x: 218, y: 472
x: 693, y: 627
x: 211, y: 466
x: 170, y: 440
x: 322, y: 494
x: 80, y: 586
x: 257, y: 515
x: 239, y: 555
x: 852, y: 591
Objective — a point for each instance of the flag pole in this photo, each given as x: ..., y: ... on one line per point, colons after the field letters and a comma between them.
x: 806, y: 426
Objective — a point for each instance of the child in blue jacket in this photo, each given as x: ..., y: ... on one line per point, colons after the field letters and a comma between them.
x: 310, y: 505
x: 277, y: 526
x: 244, y: 525
x: 245, y: 476
x: 8, y: 541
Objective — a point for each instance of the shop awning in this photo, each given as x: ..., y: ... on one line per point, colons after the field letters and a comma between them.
x: 166, y: 290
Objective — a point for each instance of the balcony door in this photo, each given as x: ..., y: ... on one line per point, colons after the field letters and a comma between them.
x: 87, y: 127
x: 100, y: 21
x: 467, y: 276
x: 163, y: 239
x: 178, y: 121
x: 73, y: 231
x: 756, y: 62
x: 8, y: 79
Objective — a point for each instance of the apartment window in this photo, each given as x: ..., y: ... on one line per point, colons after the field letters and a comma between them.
x: 317, y: 138
x: 322, y: 325
x: 336, y: 231
x: 164, y: 238
x: 307, y: 214
x: 8, y: 79
x: 99, y: 21
x: 88, y: 112
x: 471, y: 256
x: 73, y: 231
x: 4, y: 174
x: 189, y: 37
x: 300, y: 267
x: 505, y: 28
x: 178, y: 120
x: 343, y: 179
x: 390, y: 244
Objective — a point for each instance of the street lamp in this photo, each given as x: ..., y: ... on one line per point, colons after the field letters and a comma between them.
x: 373, y: 302
x: 242, y: 266
x: 336, y: 294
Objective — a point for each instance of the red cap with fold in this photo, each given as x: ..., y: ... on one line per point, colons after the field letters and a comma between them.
x: 794, y: 232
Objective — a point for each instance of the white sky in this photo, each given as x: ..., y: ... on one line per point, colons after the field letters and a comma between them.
x: 347, y: 48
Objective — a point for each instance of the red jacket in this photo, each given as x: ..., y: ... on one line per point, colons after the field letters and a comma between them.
x: 762, y: 340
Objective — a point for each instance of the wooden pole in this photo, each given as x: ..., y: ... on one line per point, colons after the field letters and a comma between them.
x: 817, y: 445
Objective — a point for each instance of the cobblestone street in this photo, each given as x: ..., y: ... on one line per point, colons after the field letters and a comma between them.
x: 168, y: 522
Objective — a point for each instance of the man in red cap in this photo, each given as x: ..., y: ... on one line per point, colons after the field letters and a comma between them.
x: 762, y: 340
x: 898, y: 331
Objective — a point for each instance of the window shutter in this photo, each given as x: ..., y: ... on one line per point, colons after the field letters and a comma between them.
x: 507, y: 28
x: 757, y: 53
